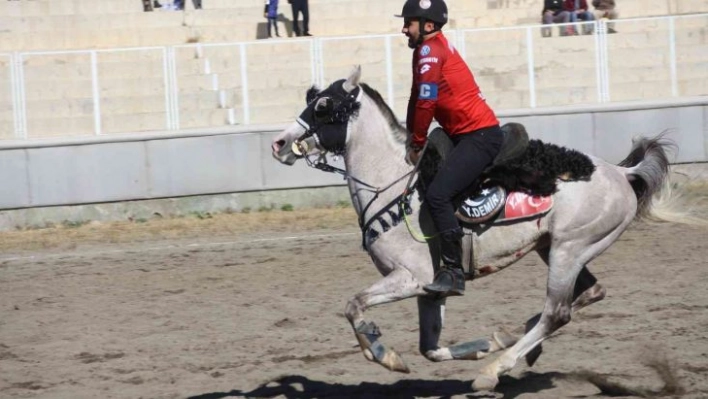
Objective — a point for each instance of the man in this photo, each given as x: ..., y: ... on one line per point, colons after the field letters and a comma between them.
x: 606, y: 9
x: 300, y: 6
x: 444, y: 88
x: 578, y: 10
x: 553, y: 13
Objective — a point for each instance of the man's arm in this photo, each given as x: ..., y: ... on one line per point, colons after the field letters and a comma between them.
x: 429, y: 76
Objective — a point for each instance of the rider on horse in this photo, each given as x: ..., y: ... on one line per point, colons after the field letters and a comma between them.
x: 444, y: 88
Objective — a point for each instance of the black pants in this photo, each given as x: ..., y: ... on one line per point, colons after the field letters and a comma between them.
x: 300, y: 6
x: 473, y: 152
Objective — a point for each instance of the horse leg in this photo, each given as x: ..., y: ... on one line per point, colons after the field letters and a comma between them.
x: 566, y: 261
x: 587, y: 291
x: 397, y: 285
x: 593, y: 293
x: 431, y: 314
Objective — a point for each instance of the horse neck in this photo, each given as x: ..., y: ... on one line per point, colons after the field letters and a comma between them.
x: 375, y: 155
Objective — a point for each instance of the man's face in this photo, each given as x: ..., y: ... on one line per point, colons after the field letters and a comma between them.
x: 411, y: 28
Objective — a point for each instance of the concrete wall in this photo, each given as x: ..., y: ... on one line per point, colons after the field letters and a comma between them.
x: 125, y: 168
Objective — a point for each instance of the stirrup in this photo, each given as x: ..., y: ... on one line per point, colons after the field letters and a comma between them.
x: 455, y: 288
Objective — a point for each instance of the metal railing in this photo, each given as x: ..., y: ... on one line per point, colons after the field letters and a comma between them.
x: 516, y: 75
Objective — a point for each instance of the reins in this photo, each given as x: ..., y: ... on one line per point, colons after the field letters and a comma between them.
x: 402, y: 201
x: 339, y: 113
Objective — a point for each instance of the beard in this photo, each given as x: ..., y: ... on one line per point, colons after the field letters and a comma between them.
x: 412, y: 43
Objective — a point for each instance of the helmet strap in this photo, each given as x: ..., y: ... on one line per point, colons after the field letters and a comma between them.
x: 423, y: 32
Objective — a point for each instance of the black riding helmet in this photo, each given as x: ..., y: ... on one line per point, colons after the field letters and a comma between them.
x: 428, y: 10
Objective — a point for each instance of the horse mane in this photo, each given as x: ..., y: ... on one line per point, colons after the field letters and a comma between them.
x: 399, y: 132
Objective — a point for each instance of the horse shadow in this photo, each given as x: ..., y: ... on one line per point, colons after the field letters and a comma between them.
x: 301, y: 387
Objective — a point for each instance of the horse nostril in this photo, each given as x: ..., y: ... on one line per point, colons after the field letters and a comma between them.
x: 277, y: 145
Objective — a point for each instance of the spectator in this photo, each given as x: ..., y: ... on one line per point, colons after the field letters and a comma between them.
x: 579, y: 11
x: 553, y: 13
x: 300, y: 6
x: 179, y: 4
x: 149, y: 5
x: 606, y: 9
x: 271, y: 12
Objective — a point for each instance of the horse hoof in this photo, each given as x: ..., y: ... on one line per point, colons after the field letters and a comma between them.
x: 504, y: 340
x: 394, y: 362
x: 484, y: 382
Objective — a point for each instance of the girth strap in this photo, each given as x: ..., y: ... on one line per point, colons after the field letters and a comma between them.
x: 403, y: 208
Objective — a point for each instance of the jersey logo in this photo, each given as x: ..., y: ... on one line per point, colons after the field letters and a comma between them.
x: 425, y: 50
x: 425, y: 68
x: 428, y: 91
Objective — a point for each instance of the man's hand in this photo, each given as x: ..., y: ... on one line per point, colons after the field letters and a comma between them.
x: 413, y: 156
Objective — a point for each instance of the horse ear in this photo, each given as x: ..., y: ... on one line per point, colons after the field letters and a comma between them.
x: 311, y: 94
x: 353, y: 80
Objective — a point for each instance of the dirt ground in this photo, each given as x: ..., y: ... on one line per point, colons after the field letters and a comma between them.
x: 251, y: 305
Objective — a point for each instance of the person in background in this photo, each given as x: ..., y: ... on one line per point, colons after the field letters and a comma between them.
x: 301, y: 6
x: 553, y: 13
x: 606, y: 9
x: 149, y: 5
x: 179, y: 4
x: 578, y: 10
x: 271, y: 13
x: 444, y: 88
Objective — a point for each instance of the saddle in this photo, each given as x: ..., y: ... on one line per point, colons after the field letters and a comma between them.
x: 520, y: 181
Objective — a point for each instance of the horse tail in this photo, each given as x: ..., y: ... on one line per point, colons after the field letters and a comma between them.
x: 657, y: 197
x: 648, y: 171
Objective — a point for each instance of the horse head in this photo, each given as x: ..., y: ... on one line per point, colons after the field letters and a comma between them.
x: 323, y: 125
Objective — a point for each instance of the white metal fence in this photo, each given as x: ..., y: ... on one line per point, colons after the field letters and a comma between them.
x: 108, y: 91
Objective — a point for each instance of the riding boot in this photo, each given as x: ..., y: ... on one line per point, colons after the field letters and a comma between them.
x: 450, y: 279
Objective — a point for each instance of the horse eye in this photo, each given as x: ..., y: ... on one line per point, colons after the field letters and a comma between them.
x: 322, y: 103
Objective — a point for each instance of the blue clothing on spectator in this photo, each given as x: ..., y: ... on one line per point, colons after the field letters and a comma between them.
x: 272, y: 8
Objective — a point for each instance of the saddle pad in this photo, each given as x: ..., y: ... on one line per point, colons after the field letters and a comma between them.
x: 493, y: 204
x: 483, y: 206
x: 521, y: 206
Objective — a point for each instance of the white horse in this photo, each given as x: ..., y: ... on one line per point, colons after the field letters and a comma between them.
x: 351, y: 119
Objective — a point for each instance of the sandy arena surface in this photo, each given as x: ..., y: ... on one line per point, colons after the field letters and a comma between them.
x: 252, y: 306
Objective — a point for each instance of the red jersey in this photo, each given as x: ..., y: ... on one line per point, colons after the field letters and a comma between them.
x: 444, y: 88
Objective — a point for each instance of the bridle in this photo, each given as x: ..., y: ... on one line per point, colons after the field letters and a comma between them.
x: 300, y: 148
